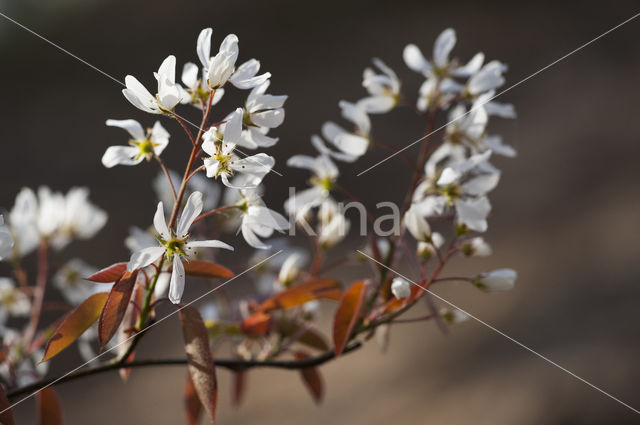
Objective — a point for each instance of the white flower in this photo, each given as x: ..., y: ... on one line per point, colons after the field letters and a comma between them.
x: 81, y: 219
x: 258, y: 221
x: 489, y: 77
x: 324, y: 176
x: 13, y: 302
x: 175, y: 245
x: 221, y: 68
x: 55, y: 217
x: 466, y: 184
x: 476, y: 247
x: 352, y: 144
x: 291, y: 268
x: 197, y: 91
x: 496, y: 280
x: 21, y: 365
x: 22, y: 222
x: 440, y: 85
x: 416, y: 224
x: 168, y: 95
x: 223, y: 162
x: 442, y: 66
x: 400, y: 288
x: 6, y: 240
x: 142, y: 145
x: 384, y: 89
x: 71, y: 281
x: 334, y: 226
x: 468, y: 128
x: 262, y: 112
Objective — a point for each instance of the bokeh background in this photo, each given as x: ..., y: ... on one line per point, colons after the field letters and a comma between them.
x: 566, y: 214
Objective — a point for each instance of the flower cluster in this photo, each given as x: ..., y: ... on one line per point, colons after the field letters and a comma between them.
x: 445, y: 213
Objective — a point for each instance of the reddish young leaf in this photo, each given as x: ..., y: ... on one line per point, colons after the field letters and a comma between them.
x: 192, y: 405
x: 49, y: 411
x: 202, y: 268
x: 199, y: 359
x: 257, y: 324
x: 300, y: 294
x: 347, y: 315
x: 109, y: 274
x: 115, y: 307
x: 312, y: 379
x: 239, y: 385
x: 74, y: 324
x: 6, y: 417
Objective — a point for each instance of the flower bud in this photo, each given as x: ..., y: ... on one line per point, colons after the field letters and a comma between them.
x: 454, y: 316
x: 426, y: 250
x: 476, y: 247
x: 496, y: 280
x: 400, y: 288
x: 290, y: 269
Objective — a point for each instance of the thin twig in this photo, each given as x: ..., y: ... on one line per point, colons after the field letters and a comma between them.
x: 235, y: 365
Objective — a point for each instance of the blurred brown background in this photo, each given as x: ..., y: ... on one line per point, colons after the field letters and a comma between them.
x: 565, y: 215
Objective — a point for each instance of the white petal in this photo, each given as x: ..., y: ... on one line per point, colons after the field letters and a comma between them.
x: 443, y: 46
x: 331, y: 130
x: 192, y: 209
x: 133, y: 127
x: 139, y: 96
x: 144, y: 257
x: 259, y: 164
x: 176, y: 285
x: 167, y: 69
x: 159, y: 222
x: 271, y: 118
x: 233, y: 127
x: 123, y: 155
x: 190, y: 73
x: 377, y: 104
x: 209, y: 244
x: 301, y: 161
x: 481, y: 185
x: 415, y: 60
x: 351, y: 144
x: 203, y: 47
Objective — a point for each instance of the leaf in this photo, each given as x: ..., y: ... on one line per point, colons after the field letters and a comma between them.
x: 49, y: 411
x: 302, y: 293
x: 199, y: 359
x: 109, y: 274
x: 239, y: 386
x: 6, y: 417
x: 74, y: 324
x: 202, y: 268
x: 347, y: 315
x: 257, y: 324
x: 309, y: 337
x: 192, y: 405
x: 115, y: 307
x: 312, y: 379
